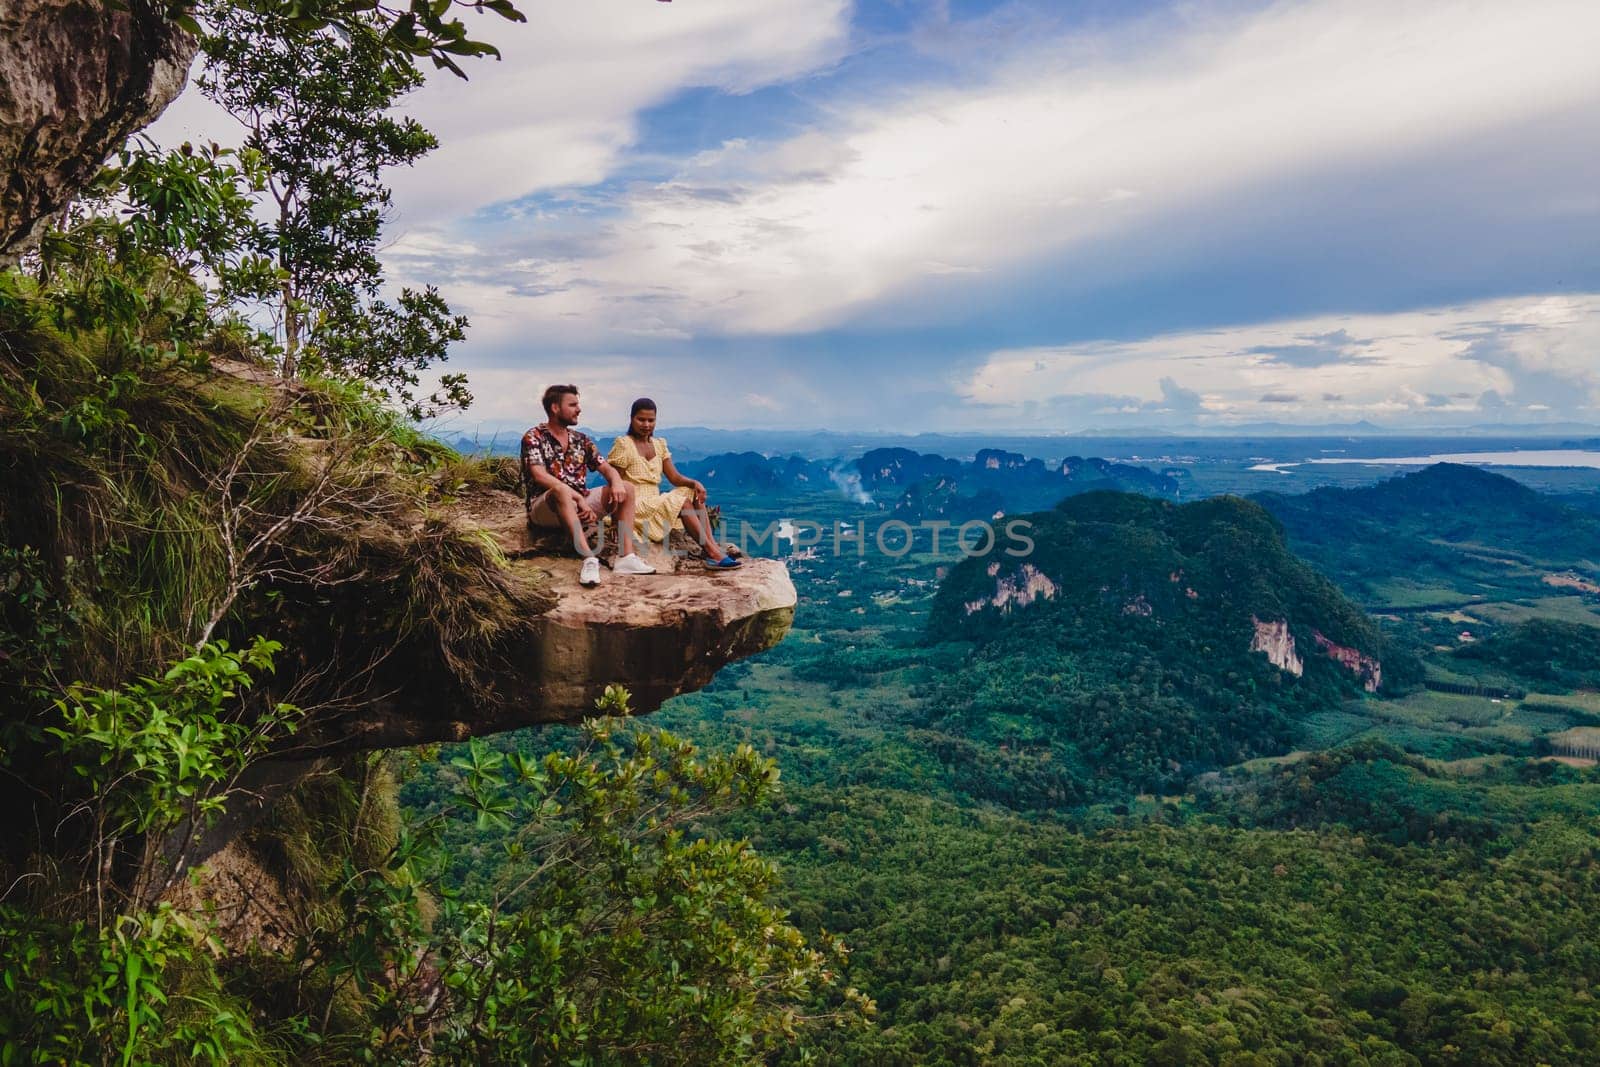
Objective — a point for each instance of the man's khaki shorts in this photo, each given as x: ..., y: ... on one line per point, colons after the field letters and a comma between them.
x: 542, y: 510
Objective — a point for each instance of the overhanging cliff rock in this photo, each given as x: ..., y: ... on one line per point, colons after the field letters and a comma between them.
x: 445, y: 621
x: 656, y: 635
x: 659, y: 635
x: 76, y: 78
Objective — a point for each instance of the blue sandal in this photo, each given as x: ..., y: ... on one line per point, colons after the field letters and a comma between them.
x: 726, y: 563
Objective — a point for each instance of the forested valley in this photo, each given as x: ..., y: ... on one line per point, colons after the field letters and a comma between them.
x: 1098, y: 828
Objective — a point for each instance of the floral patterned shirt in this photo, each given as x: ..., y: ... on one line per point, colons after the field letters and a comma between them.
x: 570, y: 462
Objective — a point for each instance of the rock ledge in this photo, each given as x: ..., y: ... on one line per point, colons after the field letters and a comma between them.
x: 659, y: 634
x: 656, y: 635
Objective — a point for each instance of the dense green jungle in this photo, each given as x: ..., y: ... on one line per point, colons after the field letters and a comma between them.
x: 1097, y: 828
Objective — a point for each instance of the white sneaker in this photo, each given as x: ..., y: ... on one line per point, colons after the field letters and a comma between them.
x: 631, y: 564
x: 589, y: 573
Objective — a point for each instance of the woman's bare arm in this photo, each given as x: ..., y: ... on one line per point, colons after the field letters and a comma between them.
x: 669, y: 469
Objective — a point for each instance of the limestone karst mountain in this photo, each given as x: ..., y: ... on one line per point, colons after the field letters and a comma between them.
x: 1139, y: 642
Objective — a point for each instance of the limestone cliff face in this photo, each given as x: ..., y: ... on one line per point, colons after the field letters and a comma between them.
x: 76, y: 78
x: 1019, y: 590
x: 1274, y: 639
x: 1363, y: 666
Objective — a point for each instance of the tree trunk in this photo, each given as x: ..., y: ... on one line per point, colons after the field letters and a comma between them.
x: 291, y: 314
x: 291, y: 333
x: 76, y: 78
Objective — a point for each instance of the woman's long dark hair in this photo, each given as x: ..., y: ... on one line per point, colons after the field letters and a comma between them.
x: 644, y: 403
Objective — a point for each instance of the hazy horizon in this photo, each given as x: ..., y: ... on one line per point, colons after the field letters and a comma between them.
x: 453, y: 427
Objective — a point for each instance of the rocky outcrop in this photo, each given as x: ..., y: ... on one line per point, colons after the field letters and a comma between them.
x: 657, y: 635
x: 1363, y: 666
x: 1274, y: 639
x: 1019, y: 590
x: 76, y: 78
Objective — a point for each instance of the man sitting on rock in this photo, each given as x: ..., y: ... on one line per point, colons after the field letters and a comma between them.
x: 556, y: 460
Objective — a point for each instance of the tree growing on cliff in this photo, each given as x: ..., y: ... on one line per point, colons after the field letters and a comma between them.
x: 319, y: 111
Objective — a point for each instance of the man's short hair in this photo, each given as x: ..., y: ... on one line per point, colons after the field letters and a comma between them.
x: 553, y: 395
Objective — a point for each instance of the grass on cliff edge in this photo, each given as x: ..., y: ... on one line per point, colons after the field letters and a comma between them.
x: 132, y: 478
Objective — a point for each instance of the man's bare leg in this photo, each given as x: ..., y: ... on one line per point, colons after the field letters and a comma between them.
x: 700, y: 530
x: 567, y: 507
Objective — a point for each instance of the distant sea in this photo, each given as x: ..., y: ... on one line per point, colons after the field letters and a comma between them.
x: 1533, y: 457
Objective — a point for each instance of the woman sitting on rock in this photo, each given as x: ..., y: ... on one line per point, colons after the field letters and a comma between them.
x: 642, y: 458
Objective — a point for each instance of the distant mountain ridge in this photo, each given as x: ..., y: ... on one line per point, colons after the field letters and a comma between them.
x: 998, y: 481
x: 754, y: 471
x: 915, y: 484
x: 1440, y: 524
x: 699, y: 441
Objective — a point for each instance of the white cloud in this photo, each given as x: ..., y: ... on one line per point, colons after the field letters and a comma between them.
x: 1493, y: 360
x: 559, y: 108
x: 1072, y: 143
x: 1519, y: 360
x: 761, y: 402
x: 684, y: 389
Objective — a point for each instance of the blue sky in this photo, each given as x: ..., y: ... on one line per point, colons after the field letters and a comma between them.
x: 1020, y: 215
